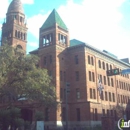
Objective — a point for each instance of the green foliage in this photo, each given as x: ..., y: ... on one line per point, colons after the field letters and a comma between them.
x: 10, y: 117
x: 39, y: 116
x: 21, y: 79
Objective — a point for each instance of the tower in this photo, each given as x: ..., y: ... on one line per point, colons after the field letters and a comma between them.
x: 14, y: 29
x: 53, y: 44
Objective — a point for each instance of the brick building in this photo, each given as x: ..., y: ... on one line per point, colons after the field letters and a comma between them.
x: 77, y: 63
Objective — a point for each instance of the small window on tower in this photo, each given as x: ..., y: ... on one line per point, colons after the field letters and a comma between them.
x: 21, y: 19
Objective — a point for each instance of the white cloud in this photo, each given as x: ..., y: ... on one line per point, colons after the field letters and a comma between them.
x: 27, y: 1
x: 3, y: 8
x: 35, y: 22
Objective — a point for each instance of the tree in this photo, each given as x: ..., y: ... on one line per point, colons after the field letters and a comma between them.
x: 21, y: 80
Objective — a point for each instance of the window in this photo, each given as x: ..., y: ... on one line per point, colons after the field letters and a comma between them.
x: 96, y: 114
x: 90, y: 76
x: 76, y: 59
x: 93, y: 77
x: 104, y: 80
x: 107, y: 67
x: 113, y: 96
x: 50, y: 58
x: 117, y: 83
x: 91, y: 93
x: 110, y: 67
x: 77, y: 75
x: 45, y: 61
x: 118, y: 98
x: 94, y: 94
x: 100, y: 78
x: 103, y: 65
x: 78, y: 114
x: 21, y: 19
x: 16, y: 33
x: 102, y: 95
x: 77, y: 93
x: 115, y: 115
x: 112, y: 83
x: 60, y: 75
x: 99, y: 64
x: 89, y: 60
x: 92, y: 61
x: 106, y: 98
x: 109, y: 96
x: 107, y: 112
x: 108, y: 80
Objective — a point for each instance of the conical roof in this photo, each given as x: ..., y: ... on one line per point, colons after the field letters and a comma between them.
x: 52, y: 19
x: 15, y: 6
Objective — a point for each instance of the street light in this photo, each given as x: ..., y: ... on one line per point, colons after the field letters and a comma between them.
x: 67, y: 90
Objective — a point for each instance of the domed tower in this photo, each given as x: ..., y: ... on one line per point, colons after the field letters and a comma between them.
x: 14, y: 29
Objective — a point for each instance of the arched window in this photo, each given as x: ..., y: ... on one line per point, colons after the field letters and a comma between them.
x: 16, y: 33
x: 103, y: 65
x: 92, y: 62
x: 99, y: 63
x: 19, y: 46
x: 88, y: 59
x: 21, y: 35
x: 107, y: 67
x: 110, y: 67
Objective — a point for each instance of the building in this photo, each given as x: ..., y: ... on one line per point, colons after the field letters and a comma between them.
x: 77, y: 63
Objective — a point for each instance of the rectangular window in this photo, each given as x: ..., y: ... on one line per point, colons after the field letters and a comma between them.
x: 109, y: 96
x: 107, y: 112
x: 106, y: 96
x: 77, y: 76
x: 112, y: 84
x: 103, y: 112
x: 104, y: 80
x: 77, y: 93
x: 113, y: 96
x: 93, y: 76
x: 76, y: 59
x: 91, y: 93
x: 94, y: 94
x: 78, y: 114
x: 90, y: 76
x: 60, y: 75
x: 108, y: 80
x: 96, y: 114
x: 115, y: 115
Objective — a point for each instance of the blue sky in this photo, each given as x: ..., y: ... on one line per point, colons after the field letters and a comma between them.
x: 104, y: 24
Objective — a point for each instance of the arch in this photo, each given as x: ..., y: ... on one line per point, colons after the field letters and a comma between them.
x: 19, y: 47
x: 99, y: 63
x: 16, y: 33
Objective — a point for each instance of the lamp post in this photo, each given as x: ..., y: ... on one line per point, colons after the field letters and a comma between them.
x: 67, y: 90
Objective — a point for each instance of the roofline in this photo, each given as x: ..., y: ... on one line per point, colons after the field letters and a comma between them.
x: 99, y: 51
